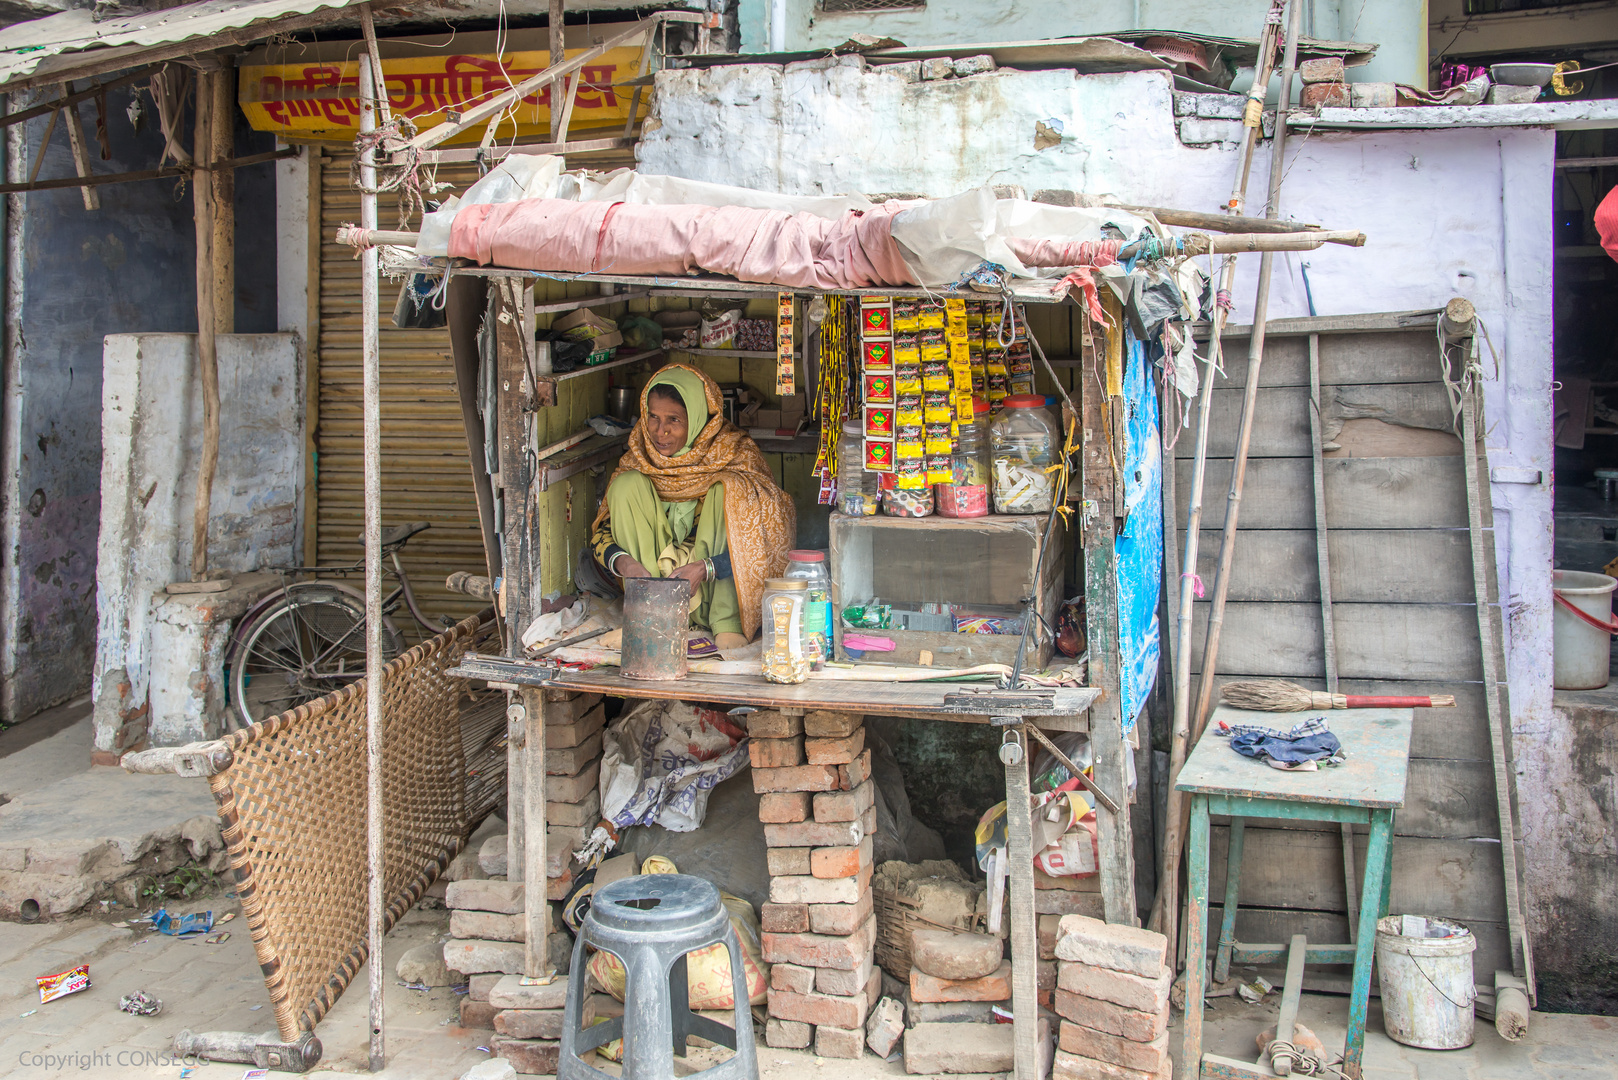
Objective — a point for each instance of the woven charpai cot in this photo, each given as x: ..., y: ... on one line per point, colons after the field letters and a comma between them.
x: 293, y: 806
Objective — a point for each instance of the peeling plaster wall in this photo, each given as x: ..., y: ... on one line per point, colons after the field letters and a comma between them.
x: 1455, y: 212
x: 127, y: 267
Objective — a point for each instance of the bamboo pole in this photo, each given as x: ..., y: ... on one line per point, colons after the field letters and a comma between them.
x: 371, y: 362
x: 558, y: 35
x: 207, y: 321
x: 223, y: 130
x: 1165, y: 909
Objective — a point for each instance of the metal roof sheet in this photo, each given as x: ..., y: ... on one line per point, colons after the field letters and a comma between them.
x: 32, y: 51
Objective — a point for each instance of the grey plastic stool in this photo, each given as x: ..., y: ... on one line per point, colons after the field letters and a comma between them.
x: 650, y: 922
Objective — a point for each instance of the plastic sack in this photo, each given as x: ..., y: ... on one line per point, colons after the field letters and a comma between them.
x: 707, y: 969
x: 719, y: 332
x: 661, y: 760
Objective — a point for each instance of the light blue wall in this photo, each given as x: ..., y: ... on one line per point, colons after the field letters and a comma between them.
x: 1398, y: 26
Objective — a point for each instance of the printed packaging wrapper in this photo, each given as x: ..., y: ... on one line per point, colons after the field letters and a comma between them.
x: 876, y: 354
x: 63, y: 983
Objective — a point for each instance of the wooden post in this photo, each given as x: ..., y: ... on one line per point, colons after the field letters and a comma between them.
x: 207, y: 320
x: 1024, y: 928
x: 371, y: 366
x: 558, y: 52
x: 81, y: 149
x: 223, y: 129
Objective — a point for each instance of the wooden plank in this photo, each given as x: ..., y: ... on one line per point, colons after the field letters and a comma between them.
x: 1361, y: 493
x: 1345, y: 359
x: 1399, y: 566
x: 1281, y: 424
x: 1447, y: 798
x: 1425, y: 641
x: 1372, y: 322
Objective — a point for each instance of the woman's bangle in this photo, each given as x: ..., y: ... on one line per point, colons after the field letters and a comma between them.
x: 612, y: 563
x: 709, y: 564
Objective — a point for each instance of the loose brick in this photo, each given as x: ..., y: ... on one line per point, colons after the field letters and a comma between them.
x: 784, y: 807
x: 946, y: 954
x: 1117, y: 987
x: 586, y: 813
x: 775, y: 753
x: 1068, y: 1066
x: 562, y: 713
x: 1045, y: 975
x: 770, y: 724
x: 572, y: 760
x: 478, y: 986
x: 485, y: 894
x: 1085, y: 940
x: 566, y: 736
x: 815, y: 890
x: 538, y: 1023
x: 855, y: 773
x: 841, y: 862
x: 948, y: 1012
x: 510, y: 993
x: 840, y: 919
x: 573, y: 788
x: 1104, y: 1016
x: 821, y: 950
x: 792, y: 978
x: 1147, y: 1057
x: 835, y: 751
x: 814, y: 833
x: 1325, y: 69
x: 868, y: 822
x: 963, y: 1048
x: 787, y: 1034
x: 1065, y: 902
x: 553, y: 694
x: 559, y: 854
x: 995, y: 987
x: 1333, y: 95
x: 836, y: 1042
x: 785, y: 918
x: 464, y: 867
x: 1048, y: 932
x: 824, y: 724
x: 474, y: 957
x: 531, y: 1057
x: 796, y: 778
x: 557, y: 888
x: 786, y: 861
x: 571, y: 837
x: 488, y: 925
x: 817, y: 1009
x: 844, y: 805
x: 833, y: 981
x: 477, y: 1014
x: 492, y: 856
x: 885, y: 1027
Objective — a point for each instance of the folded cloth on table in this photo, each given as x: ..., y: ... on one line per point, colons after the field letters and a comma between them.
x: 1306, y: 746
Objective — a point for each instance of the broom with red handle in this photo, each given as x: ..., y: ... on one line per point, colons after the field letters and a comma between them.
x: 1275, y: 695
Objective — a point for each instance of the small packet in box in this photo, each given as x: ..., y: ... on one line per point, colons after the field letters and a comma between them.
x: 906, y: 316
x: 879, y: 421
x: 955, y: 306
x: 878, y: 455
x: 879, y: 389
x: 998, y: 382
x: 908, y: 380
x: 877, y: 354
x: 938, y: 439
x: 980, y: 381
x: 63, y: 983
x: 906, y: 349
x: 931, y: 315
x: 1022, y: 385
x: 933, y: 346
x: 876, y: 316
x: 1020, y: 366
x: 936, y: 404
x: 912, y: 417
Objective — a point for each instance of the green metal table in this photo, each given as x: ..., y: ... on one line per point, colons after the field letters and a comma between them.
x: 1364, y: 790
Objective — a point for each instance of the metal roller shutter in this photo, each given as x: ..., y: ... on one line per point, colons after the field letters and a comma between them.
x: 426, y: 475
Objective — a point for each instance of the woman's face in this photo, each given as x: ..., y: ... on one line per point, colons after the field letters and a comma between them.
x: 665, y: 424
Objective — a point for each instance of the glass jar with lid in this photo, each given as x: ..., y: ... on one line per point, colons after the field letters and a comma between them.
x: 967, y: 493
x: 857, y: 491
x: 810, y: 567
x: 785, y: 660
x: 1023, y: 443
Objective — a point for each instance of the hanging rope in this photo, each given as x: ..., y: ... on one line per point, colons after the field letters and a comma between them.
x: 403, y: 177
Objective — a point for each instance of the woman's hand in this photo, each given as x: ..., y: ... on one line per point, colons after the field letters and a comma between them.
x: 625, y: 566
x: 696, y: 573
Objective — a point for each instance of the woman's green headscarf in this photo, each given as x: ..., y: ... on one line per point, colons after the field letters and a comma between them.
x: 695, y: 396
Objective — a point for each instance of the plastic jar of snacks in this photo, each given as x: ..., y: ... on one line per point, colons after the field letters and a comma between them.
x: 857, y: 492
x: 785, y: 658
x: 1023, y: 443
x: 905, y: 502
x: 967, y: 493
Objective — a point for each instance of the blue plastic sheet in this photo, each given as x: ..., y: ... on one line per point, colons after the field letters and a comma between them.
x: 1140, y: 546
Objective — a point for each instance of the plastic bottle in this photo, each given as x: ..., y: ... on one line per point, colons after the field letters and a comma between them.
x: 967, y: 494
x: 810, y: 567
x: 1022, y: 445
x: 857, y: 491
x: 784, y: 659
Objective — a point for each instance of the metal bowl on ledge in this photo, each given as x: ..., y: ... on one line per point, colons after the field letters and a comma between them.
x: 1522, y: 74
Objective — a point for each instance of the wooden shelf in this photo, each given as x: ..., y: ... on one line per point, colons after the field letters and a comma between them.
x: 622, y: 361
x: 589, y: 302
x: 738, y: 354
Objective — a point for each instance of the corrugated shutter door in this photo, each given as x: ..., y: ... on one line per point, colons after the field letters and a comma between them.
x: 425, y: 471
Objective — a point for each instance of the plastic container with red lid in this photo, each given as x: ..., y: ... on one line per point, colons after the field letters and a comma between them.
x: 1023, y: 441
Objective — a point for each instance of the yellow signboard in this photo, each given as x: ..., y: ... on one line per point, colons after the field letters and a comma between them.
x: 320, y: 100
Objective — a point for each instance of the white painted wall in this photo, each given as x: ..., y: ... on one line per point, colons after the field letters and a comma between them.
x: 1399, y: 27
x: 151, y: 440
x: 1459, y: 212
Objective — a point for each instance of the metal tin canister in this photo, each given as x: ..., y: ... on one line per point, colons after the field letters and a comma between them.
x: 657, y: 612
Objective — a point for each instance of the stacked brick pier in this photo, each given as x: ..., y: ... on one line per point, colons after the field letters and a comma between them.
x: 818, y: 805
x: 1112, y: 992
x: 488, y: 927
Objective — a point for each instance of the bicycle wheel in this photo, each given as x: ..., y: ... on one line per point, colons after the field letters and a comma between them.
x: 307, y: 644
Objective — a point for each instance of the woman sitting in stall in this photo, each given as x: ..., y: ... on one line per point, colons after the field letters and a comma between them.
x: 692, y: 498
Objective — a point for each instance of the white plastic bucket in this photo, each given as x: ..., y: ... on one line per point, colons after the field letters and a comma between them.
x: 1582, y: 653
x: 1424, y: 967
